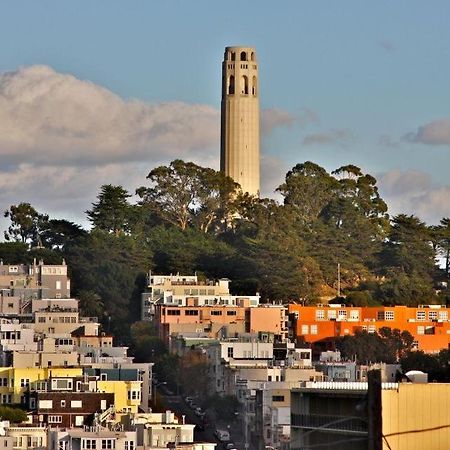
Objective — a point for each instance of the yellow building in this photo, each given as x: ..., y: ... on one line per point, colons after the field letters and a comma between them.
x: 416, y: 416
x: 127, y: 394
x: 14, y: 383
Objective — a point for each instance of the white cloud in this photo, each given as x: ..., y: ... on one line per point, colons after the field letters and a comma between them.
x: 412, y: 192
x: 273, y: 117
x: 273, y: 171
x: 340, y: 137
x: 387, y: 45
x: 52, y: 118
x: 433, y: 133
x: 61, y: 138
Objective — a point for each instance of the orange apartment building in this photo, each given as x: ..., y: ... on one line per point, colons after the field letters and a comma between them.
x: 429, y: 324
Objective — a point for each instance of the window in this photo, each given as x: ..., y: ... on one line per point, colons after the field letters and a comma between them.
x: 354, y: 314
x: 63, y: 445
x: 443, y: 315
x: 420, y: 315
x: 420, y: 329
x: 89, y: 444
x: 342, y: 313
x: 63, y: 403
x: 231, y: 313
x: 244, y: 84
x: 24, y: 382
x: 58, y: 285
x: 313, y: 329
x: 332, y: 314
x: 41, y: 319
x: 305, y: 329
x: 254, y: 86
x: 108, y: 443
x: 103, y: 377
x: 230, y: 352
x: 129, y: 445
x: 230, y: 88
x: 173, y: 312
x: 45, y: 404
x: 278, y: 398
x: 191, y: 312
x: 54, y: 419
x: 389, y: 315
x: 243, y: 56
x: 76, y: 404
x: 371, y: 329
x: 305, y: 355
x: 432, y: 315
x: 380, y: 315
x: 4, y: 382
x: 320, y: 314
x: 134, y: 395
x: 61, y: 384
x: 216, y: 313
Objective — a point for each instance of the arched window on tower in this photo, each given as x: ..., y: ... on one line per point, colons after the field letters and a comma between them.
x: 243, y: 56
x: 231, y: 84
x: 244, y: 84
x: 254, y: 86
x: 252, y: 57
x: 233, y: 56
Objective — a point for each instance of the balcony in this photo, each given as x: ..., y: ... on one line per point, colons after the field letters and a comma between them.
x: 343, y: 424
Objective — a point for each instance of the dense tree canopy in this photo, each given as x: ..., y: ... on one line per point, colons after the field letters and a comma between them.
x: 194, y: 219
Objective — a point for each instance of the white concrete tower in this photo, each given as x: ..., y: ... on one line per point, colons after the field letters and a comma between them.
x: 239, y: 146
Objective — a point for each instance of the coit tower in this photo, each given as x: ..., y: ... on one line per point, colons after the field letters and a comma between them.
x: 239, y: 146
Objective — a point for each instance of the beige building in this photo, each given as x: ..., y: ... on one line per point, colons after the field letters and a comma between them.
x: 239, y: 147
x: 36, y: 280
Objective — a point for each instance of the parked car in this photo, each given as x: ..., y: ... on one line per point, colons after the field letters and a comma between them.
x: 222, y: 435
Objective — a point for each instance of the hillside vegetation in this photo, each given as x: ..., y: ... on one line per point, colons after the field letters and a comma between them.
x: 193, y: 219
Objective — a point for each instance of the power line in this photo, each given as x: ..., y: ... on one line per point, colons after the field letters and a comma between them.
x: 423, y: 430
x: 386, y: 441
x: 329, y: 444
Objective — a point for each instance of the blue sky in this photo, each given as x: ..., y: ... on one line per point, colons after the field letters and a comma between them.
x: 357, y: 82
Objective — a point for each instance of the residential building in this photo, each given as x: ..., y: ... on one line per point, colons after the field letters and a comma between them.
x: 91, y: 438
x: 321, y: 324
x: 36, y: 280
x: 27, y: 436
x: 160, y: 429
x: 68, y: 408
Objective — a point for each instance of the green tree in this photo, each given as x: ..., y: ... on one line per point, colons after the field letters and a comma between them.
x: 185, y: 194
x: 442, y: 239
x: 13, y: 252
x: 14, y: 415
x: 409, y: 247
x: 90, y: 303
x: 112, y: 211
x: 59, y: 232
x: 26, y: 224
x: 308, y: 187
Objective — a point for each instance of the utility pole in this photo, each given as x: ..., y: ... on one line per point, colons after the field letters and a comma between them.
x: 374, y: 410
x: 339, y: 279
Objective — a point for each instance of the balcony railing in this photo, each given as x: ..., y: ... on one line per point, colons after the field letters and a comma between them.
x: 351, y: 424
